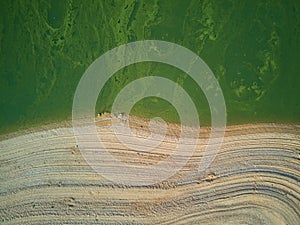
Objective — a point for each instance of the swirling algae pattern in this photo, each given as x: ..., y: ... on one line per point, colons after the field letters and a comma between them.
x: 251, y: 46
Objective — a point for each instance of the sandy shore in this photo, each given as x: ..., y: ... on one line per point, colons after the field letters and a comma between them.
x: 254, y: 179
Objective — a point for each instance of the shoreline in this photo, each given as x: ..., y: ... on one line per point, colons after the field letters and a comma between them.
x: 45, y: 176
x: 100, y: 120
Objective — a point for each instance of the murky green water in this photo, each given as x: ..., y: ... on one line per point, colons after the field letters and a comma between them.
x: 251, y: 46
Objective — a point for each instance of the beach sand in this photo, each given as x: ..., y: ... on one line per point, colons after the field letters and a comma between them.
x: 254, y: 179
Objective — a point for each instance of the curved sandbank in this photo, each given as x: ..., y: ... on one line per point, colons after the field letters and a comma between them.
x: 254, y: 179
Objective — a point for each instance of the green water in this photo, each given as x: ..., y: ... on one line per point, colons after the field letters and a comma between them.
x: 251, y: 46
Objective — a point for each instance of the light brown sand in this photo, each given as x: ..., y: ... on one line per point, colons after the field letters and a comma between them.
x: 253, y: 180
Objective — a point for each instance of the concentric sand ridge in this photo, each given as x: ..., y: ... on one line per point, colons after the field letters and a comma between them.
x: 254, y: 179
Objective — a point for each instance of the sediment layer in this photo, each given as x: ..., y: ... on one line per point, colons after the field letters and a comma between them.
x: 254, y: 179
